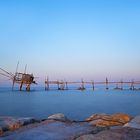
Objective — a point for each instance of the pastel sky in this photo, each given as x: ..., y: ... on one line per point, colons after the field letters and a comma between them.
x: 71, y: 39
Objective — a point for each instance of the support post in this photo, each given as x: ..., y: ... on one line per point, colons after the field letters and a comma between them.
x: 21, y: 85
x: 13, y: 84
x: 58, y: 85
x: 107, y: 84
x: 45, y: 85
x: 132, y: 86
x: 82, y: 86
x: 48, y: 83
x: 93, y: 85
x: 62, y: 85
x: 28, y: 87
x: 66, y: 83
x: 121, y: 84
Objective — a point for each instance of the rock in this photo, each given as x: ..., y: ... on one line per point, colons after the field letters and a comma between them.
x: 134, y: 123
x: 115, y: 134
x: 121, y: 117
x: 1, y: 131
x: 50, y: 130
x: 9, y: 123
x: 59, y: 117
x: 86, y: 137
x: 27, y: 120
x: 105, y: 120
x: 13, y: 123
x: 96, y: 116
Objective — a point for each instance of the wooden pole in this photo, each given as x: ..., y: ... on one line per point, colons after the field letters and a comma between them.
x: 21, y: 85
x: 47, y: 83
x: 121, y: 84
x: 93, y: 85
x: 132, y: 86
x: 25, y: 69
x: 82, y: 85
x: 66, y: 85
x: 62, y: 85
x: 58, y: 84
x: 107, y: 84
x: 28, y: 87
x: 13, y: 84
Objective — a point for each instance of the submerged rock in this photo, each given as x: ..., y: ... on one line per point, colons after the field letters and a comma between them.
x: 134, y: 123
x: 109, y: 120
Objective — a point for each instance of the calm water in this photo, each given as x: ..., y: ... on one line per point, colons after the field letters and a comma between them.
x: 73, y: 103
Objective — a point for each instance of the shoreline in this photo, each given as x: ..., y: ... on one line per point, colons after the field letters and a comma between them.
x: 59, y: 127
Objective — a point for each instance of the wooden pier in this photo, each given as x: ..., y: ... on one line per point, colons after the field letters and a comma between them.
x: 63, y: 85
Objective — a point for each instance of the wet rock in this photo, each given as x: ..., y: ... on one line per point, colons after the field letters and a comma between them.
x: 119, y: 134
x: 115, y: 134
x: 9, y: 123
x: 27, y: 120
x: 50, y: 130
x: 134, y: 123
x: 12, y: 123
x: 59, y: 117
x: 109, y: 120
x: 86, y: 137
x: 1, y: 131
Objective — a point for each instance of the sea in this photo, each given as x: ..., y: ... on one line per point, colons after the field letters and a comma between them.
x: 75, y: 104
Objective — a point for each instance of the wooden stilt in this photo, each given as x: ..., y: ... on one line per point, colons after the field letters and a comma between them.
x: 132, y: 87
x: 121, y: 84
x: 28, y: 87
x: 58, y: 85
x: 82, y: 86
x: 66, y: 83
x: 13, y: 84
x: 47, y: 84
x: 93, y: 85
x: 107, y: 84
x: 21, y: 86
x: 62, y: 85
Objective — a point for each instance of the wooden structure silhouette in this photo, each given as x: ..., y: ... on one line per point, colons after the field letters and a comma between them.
x: 19, y: 78
x: 63, y: 85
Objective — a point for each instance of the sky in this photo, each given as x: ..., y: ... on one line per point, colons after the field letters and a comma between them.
x: 71, y: 39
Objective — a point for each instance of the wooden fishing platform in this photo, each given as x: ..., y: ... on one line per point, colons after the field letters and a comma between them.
x: 21, y: 78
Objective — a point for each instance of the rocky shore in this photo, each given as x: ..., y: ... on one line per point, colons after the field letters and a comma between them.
x: 117, y: 126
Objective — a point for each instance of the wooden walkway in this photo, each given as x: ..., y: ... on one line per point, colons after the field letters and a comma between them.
x: 63, y: 85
